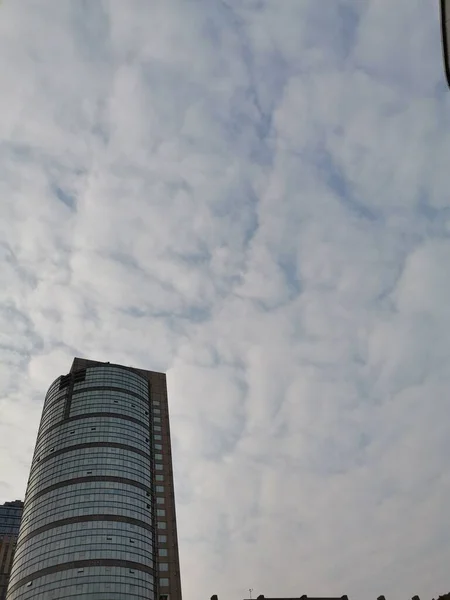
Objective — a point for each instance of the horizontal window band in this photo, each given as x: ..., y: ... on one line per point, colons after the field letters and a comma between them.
x: 81, y: 564
x: 84, y: 519
x: 92, y: 445
x: 111, y: 388
x: 76, y: 469
x: 114, y: 388
x: 137, y: 477
x: 89, y: 415
x: 97, y: 388
x: 111, y: 368
x: 127, y: 437
x: 75, y: 481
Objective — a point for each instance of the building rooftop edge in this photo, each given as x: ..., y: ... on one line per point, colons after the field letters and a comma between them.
x: 82, y: 363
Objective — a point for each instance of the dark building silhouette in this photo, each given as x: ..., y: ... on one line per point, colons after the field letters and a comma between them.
x: 10, y: 515
x: 99, y: 516
x: 305, y: 597
x: 445, y: 34
x: 345, y: 597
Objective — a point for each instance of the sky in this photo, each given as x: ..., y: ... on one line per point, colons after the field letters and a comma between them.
x: 252, y: 196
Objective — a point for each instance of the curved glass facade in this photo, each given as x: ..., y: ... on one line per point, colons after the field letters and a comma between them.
x: 89, y: 519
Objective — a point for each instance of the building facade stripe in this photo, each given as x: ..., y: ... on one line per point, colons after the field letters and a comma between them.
x: 86, y: 478
x: 85, y: 519
x: 94, y: 388
x: 93, y: 445
x: 114, y: 415
x: 81, y: 564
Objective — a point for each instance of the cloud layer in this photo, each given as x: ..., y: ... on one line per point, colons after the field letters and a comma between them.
x: 252, y: 196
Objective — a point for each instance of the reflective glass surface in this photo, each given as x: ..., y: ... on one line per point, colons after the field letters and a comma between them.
x: 10, y: 515
x: 90, y: 583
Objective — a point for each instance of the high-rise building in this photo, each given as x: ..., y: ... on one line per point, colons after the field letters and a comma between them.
x: 99, y: 515
x: 10, y: 515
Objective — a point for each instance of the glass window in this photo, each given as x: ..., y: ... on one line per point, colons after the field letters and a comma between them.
x: 157, y: 411
x: 157, y: 438
x: 158, y: 456
x: 157, y: 419
x: 156, y: 403
x: 160, y: 512
x: 163, y: 566
x: 158, y: 467
x: 161, y: 525
x: 163, y: 582
x: 160, y: 489
x: 162, y: 552
x: 162, y: 539
x: 157, y: 428
x: 158, y: 446
x: 159, y: 477
x: 160, y: 500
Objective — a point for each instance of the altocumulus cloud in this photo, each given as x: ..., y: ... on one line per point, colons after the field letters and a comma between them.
x: 252, y: 196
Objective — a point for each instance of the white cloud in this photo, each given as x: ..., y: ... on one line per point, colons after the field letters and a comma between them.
x: 251, y: 196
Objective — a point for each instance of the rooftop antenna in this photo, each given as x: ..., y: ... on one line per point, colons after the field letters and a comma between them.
x: 250, y: 590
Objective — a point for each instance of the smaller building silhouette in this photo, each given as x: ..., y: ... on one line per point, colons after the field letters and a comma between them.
x: 305, y: 597
x: 10, y: 516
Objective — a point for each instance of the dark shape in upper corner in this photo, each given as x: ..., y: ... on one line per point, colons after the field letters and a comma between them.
x: 445, y: 31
